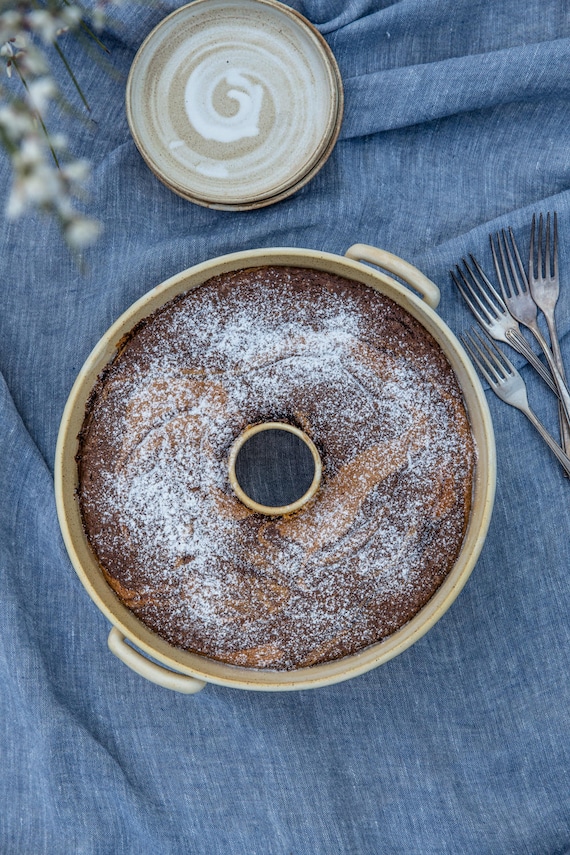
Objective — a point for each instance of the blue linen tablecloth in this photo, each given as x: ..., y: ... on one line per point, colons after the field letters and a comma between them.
x: 457, y: 123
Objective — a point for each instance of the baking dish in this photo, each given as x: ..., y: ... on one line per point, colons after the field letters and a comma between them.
x: 133, y: 642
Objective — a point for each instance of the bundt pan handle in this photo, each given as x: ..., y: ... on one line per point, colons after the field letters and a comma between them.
x: 403, y: 269
x: 150, y: 670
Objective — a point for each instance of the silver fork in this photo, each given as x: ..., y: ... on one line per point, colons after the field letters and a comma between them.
x: 544, y: 286
x: 489, y: 309
x: 507, y: 384
x: 520, y: 304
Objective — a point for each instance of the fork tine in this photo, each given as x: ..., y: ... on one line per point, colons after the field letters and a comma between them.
x: 488, y: 283
x: 497, y: 265
x: 503, y: 248
x: 512, y: 286
x: 551, y: 263
x: 464, y: 293
x: 470, y: 348
x: 545, y: 265
x: 531, y: 248
x: 519, y: 261
x: 472, y: 301
x: 486, y: 356
x: 504, y: 365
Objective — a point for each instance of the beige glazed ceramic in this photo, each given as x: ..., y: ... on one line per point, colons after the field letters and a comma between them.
x: 272, y: 510
x: 234, y: 104
x: 187, y: 672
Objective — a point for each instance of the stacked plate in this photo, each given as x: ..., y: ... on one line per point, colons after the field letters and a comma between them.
x: 234, y: 104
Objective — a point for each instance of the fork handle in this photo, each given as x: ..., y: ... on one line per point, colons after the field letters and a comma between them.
x: 564, y: 428
x: 519, y: 343
x: 556, y: 353
x: 562, y: 457
x: 558, y: 378
x: 555, y: 343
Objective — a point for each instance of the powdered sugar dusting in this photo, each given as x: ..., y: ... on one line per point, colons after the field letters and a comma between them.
x: 375, y: 394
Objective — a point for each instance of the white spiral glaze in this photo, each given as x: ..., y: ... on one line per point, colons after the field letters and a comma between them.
x: 201, y: 109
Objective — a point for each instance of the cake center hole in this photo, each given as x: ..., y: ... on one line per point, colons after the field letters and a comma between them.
x: 275, y: 467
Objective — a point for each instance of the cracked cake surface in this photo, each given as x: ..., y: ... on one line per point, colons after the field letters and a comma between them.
x: 372, y: 389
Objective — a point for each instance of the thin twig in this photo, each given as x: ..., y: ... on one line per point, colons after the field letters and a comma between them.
x: 36, y: 114
x: 69, y: 70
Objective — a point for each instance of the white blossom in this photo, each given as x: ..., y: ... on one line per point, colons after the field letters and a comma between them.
x: 82, y: 232
x: 76, y: 172
x: 16, y: 123
x: 45, y: 176
x: 39, y: 94
x: 48, y: 23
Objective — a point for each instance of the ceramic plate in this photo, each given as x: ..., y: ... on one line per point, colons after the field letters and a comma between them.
x: 234, y: 103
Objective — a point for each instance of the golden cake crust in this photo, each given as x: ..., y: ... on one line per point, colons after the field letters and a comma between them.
x: 370, y: 387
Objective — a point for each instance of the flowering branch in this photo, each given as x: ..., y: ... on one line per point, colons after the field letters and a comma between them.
x: 46, y: 176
